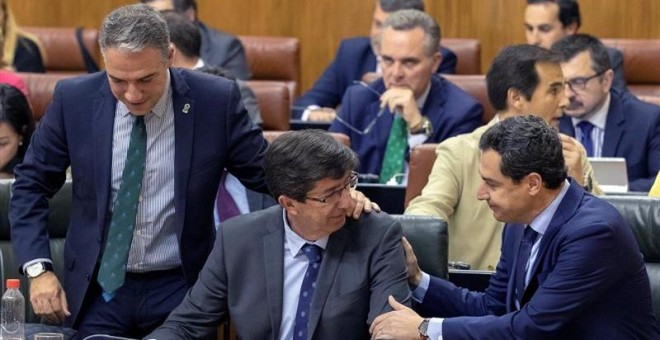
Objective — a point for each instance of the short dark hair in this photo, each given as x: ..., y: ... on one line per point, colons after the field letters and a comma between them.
x: 569, y: 11
x: 184, y: 34
x: 15, y: 111
x: 389, y: 6
x: 296, y: 160
x: 515, y: 67
x: 527, y: 144
x: 572, y: 45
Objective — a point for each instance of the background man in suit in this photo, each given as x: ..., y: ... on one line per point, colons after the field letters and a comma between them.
x: 410, y: 104
x: 523, y: 79
x: 356, y: 60
x: 219, y: 49
x: 570, y: 266
x: 257, y: 272
x: 146, y: 145
x: 548, y: 21
x: 607, y: 122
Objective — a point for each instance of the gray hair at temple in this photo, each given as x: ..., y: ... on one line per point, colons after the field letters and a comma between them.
x: 133, y: 28
x: 409, y: 19
x: 389, y: 6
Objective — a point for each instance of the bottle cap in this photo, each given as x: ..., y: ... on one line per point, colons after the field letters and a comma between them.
x: 13, y: 283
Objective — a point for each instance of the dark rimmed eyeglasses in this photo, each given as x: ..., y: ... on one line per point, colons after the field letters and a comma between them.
x: 580, y: 83
x: 334, y: 196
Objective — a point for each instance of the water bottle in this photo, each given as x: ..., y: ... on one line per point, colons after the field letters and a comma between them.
x: 12, y: 320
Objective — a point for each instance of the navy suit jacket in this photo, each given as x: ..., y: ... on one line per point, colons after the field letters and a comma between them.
x: 362, y: 264
x: 224, y: 50
x: 451, y: 111
x: 354, y: 58
x: 588, y: 282
x: 214, y: 133
x: 632, y: 131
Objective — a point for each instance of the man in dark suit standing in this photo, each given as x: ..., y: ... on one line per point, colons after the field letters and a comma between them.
x: 410, y: 104
x: 356, y: 60
x: 548, y: 21
x: 570, y: 266
x: 219, y: 49
x: 260, y: 272
x: 146, y: 145
x: 607, y: 123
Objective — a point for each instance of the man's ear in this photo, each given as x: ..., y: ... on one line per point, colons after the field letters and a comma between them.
x: 288, y: 204
x: 571, y: 28
x: 515, y: 100
x: 534, y: 183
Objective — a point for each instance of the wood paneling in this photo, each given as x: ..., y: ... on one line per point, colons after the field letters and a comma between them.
x: 321, y: 24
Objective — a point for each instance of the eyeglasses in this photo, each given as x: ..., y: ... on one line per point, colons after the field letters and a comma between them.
x: 372, y: 123
x: 335, y: 195
x: 580, y: 83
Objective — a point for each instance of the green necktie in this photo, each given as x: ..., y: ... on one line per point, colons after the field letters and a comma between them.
x: 115, y: 256
x: 395, y: 151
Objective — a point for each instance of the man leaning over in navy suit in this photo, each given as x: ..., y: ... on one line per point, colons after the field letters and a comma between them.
x: 608, y: 123
x: 261, y: 273
x: 146, y: 144
x: 356, y: 60
x: 570, y: 266
x: 432, y: 109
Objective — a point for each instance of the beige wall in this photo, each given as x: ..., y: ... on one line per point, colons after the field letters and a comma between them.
x: 321, y: 24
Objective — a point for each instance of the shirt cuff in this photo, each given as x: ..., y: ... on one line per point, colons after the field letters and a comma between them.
x: 416, y: 139
x: 308, y: 111
x: 420, y: 291
x: 434, y: 331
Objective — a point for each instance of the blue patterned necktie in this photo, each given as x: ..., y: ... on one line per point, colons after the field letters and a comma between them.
x: 115, y: 255
x: 529, y: 236
x: 314, y: 255
x: 585, y: 139
x: 395, y: 151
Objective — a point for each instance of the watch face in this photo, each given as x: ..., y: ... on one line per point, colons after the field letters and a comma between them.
x: 35, y: 269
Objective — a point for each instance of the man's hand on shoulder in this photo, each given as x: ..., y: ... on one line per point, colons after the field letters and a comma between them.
x: 48, y: 298
x: 361, y: 203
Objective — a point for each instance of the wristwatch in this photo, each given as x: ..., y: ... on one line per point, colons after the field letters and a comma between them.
x: 38, y: 268
x: 423, y: 329
x: 424, y: 127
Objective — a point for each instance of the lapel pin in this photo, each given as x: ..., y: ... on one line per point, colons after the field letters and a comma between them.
x: 186, y: 108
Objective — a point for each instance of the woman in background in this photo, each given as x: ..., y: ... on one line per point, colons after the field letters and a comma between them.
x: 16, y: 127
x: 20, y: 49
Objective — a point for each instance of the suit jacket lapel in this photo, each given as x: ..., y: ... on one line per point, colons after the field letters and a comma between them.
x: 103, y: 126
x: 327, y: 275
x: 614, y: 126
x: 184, y: 130
x: 566, y: 209
x: 566, y: 126
x: 274, y: 270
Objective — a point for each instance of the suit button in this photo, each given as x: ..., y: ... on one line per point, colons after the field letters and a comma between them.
x: 88, y: 277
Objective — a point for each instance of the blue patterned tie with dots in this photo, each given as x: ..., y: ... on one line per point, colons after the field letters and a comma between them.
x: 314, y: 255
x: 115, y: 256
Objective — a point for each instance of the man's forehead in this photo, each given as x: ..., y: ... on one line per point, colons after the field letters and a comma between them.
x: 542, y: 13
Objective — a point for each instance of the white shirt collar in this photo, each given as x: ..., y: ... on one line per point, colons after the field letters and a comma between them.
x: 598, y: 118
x: 295, y: 241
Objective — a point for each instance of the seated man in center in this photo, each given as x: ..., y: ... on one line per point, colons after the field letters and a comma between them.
x: 301, y: 268
x: 410, y: 104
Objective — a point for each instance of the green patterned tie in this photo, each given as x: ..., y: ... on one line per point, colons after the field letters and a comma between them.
x: 113, y: 264
x: 395, y: 150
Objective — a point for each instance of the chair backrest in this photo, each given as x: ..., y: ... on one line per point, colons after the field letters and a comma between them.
x: 639, y: 64
x: 468, y: 53
x: 643, y: 215
x: 58, y: 223
x: 421, y: 162
x: 428, y: 237
x: 274, y: 58
x: 63, y: 53
x: 274, y: 103
x: 40, y: 90
x: 475, y: 85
